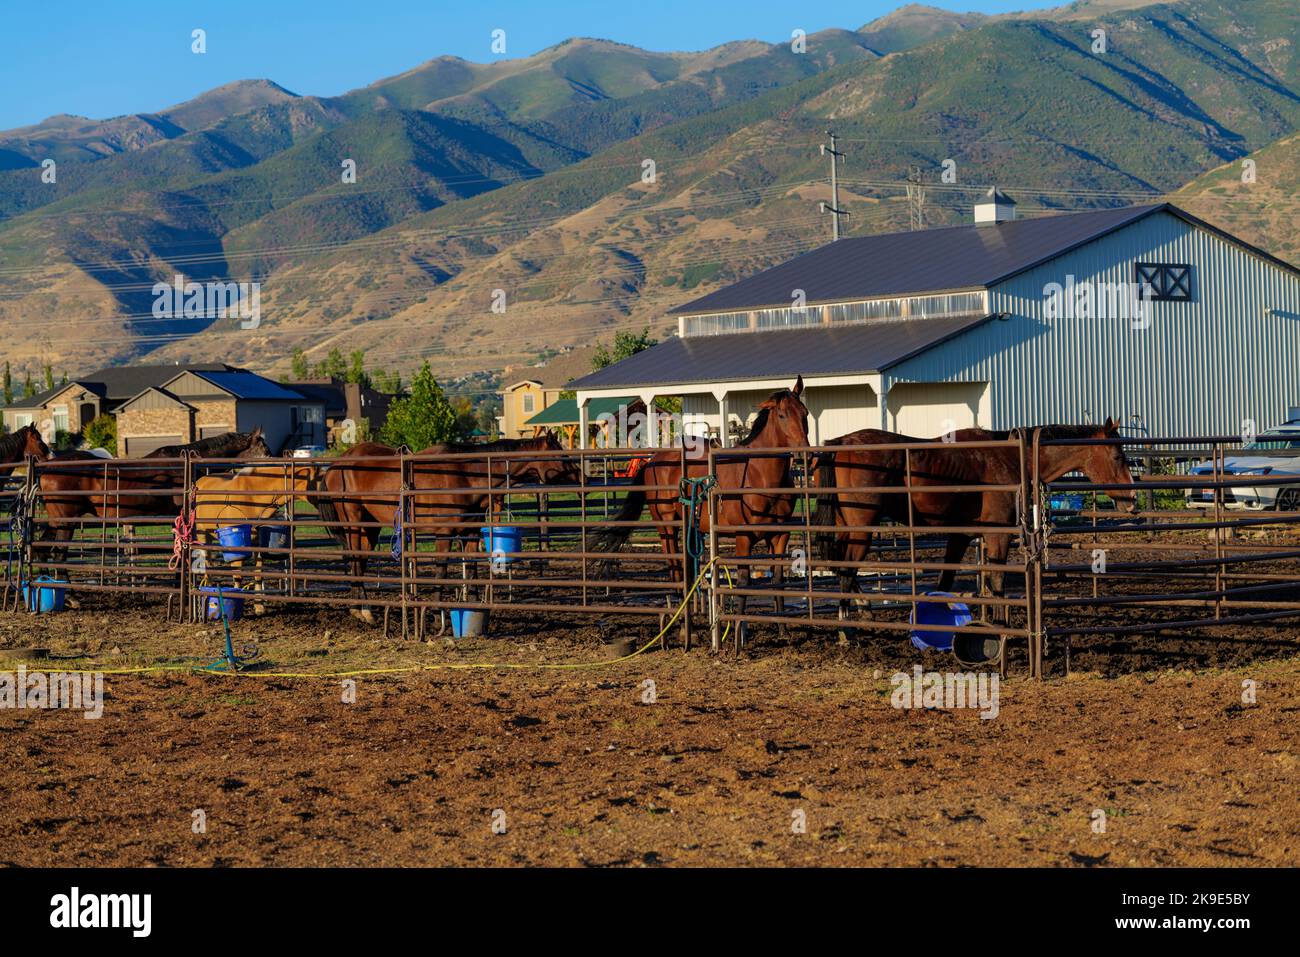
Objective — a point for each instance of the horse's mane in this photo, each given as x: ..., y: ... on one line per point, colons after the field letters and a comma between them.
x: 1048, y: 433
x: 13, y: 443
x: 231, y: 441
x: 500, y: 445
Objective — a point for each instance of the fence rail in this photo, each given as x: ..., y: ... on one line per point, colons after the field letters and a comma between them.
x: 1204, y: 548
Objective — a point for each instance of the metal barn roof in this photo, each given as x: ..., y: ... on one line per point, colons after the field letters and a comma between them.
x: 565, y: 411
x: 250, y: 385
x: 818, y: 350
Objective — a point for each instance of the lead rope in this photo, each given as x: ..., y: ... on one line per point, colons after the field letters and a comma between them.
x: 693, y: 492
x: 182, y: 534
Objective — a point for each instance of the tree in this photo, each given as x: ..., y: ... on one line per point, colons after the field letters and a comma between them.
x: 334, y: 366
x: 423, y: 418
x: 49, y: 376
x: 625, y: 344
x: 8, y: 385
x: 29, y: 387
x: 101, y: 432
x: 390, y: 382
x: 466, y: 417
x: 357, y: 368
x: 300, y: 367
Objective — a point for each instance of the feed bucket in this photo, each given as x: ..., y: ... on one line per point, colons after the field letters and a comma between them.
x: 468, y: 622
x: 235, y: 536
x: 499, y: 540
x: 231, y: 598
x: 953, y: 614
x: 972, y: 649
x: 45, y: 595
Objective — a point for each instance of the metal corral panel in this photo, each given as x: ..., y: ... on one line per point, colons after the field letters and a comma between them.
x: 1229, y: 354
x: 833, y: 410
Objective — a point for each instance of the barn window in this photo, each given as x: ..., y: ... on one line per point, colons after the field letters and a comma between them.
x: 1167, y: 281
x: 529, y: 400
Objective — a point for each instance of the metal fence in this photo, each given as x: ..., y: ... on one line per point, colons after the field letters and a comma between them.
x: 1204, y: 550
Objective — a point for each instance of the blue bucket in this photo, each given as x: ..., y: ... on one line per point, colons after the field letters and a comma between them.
x: 46, y: 595
x: 231, y: 598
x: 498, y: 540
x: 468, y: 622
x: 1067, y: 502
x: 235, y: 536
x: 954, y: 614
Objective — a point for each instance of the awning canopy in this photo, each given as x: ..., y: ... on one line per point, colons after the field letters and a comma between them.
x: 565, y: 411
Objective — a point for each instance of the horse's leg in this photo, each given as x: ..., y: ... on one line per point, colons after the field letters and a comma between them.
x: 953, y: 554
x: 744, y: 549
x: 997, y: 548
x: 777, y: 545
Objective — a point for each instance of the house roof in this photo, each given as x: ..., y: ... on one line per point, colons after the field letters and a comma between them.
x: 934, y: 260
x: 249, y: 385
x: 172, y: 399
x: 328, y: 393
x: 847, y: 349
x: 558, y: 372
x: 117, y: 384
x: 565, y: 411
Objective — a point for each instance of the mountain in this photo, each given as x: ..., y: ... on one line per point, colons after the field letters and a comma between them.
x: 526, y: 176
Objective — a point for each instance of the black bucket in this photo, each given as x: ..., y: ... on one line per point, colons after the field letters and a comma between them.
x: 976, y: 649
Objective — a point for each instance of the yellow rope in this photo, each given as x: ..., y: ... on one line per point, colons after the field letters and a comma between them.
x: 412, y: 669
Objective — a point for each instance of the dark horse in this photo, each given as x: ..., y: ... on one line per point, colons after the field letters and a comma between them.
x: 78, y: 484
x: 782, y: 422
x: 950, y: 464
x: 19, y: 445
x: 364, y: 485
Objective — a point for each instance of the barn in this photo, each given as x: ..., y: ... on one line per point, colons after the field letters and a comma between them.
x: 1146, y: 313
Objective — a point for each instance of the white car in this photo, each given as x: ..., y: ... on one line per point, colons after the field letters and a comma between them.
x: 1278, y: 463
x: 308, y: 452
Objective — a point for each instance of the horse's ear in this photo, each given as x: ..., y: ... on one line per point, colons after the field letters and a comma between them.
x: 798, y: 387
x: 1111, y: 425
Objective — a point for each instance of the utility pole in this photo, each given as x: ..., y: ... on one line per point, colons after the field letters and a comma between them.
x: 834, y: 207
x: 915, y: 198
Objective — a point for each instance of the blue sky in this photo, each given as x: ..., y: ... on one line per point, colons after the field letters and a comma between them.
x: 101, y: 59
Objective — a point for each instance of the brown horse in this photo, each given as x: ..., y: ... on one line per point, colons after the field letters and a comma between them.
x: 19, y: 445
x: 76, y: 485
x: 782, y: 422
x: 950, y: 464
x: 364, y: 485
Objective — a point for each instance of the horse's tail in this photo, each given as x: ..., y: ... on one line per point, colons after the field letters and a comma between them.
x: 825, y: 541
x: 613, y: 537
x: 325, y: 506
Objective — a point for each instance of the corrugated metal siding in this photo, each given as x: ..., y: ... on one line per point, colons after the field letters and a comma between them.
x: 930, y: 409
x: 1232, y: 353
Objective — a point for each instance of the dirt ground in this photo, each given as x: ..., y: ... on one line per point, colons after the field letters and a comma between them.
x: 583, y: 769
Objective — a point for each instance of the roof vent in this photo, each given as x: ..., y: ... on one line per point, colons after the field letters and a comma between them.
x: 995, y: 207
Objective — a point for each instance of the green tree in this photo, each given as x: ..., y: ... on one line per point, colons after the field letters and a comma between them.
x: 8, y: 385
x: 357, y: 368
x: 300, y: 367
x: 625, y: 344
x: 390, y: 382
x: 423, y: 418
x: 101, y: 432
x: 49, y: 376
x: 334, y: 366
x: 29, y: 387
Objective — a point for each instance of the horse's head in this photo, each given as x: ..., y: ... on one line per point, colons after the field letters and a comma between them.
x: 257, y: 447
x: 547, y: 469
x: 33, y: 444
x: 1103, y: 464
x: 782, y: 421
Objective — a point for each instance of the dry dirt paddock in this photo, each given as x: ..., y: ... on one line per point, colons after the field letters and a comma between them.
x: 718, y: 770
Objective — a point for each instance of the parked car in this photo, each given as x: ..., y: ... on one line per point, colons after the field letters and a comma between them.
x: 308, y: 452
x: 1281, y: 460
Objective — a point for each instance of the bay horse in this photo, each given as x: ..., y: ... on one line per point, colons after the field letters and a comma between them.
x: 16, y: 447
x: 79, y: 484
x: 365, y: 484
x: 782, y: 422
x: 945, y: 463
x: 250, y: 495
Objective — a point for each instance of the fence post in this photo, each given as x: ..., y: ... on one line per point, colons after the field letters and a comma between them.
x: 715, y: 626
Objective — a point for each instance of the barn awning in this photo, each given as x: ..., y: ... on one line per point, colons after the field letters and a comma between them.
x: 565, y: 411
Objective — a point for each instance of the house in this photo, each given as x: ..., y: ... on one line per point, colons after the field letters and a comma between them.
x: 195, y: 404
x: 531, y: 389
x: 1146, y: 313
x: 346, y: 402
x: 157, y: 405
x: 72, y: 406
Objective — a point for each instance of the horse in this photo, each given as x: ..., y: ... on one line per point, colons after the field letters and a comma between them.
x: 248, y: 495
x: 81, y: 484
x: 19, y: 445
x: 946, y: 463
x: 363, y: 496
x: 782, y: 422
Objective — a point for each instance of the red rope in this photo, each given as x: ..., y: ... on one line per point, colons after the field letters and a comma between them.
x: 182, y: 532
